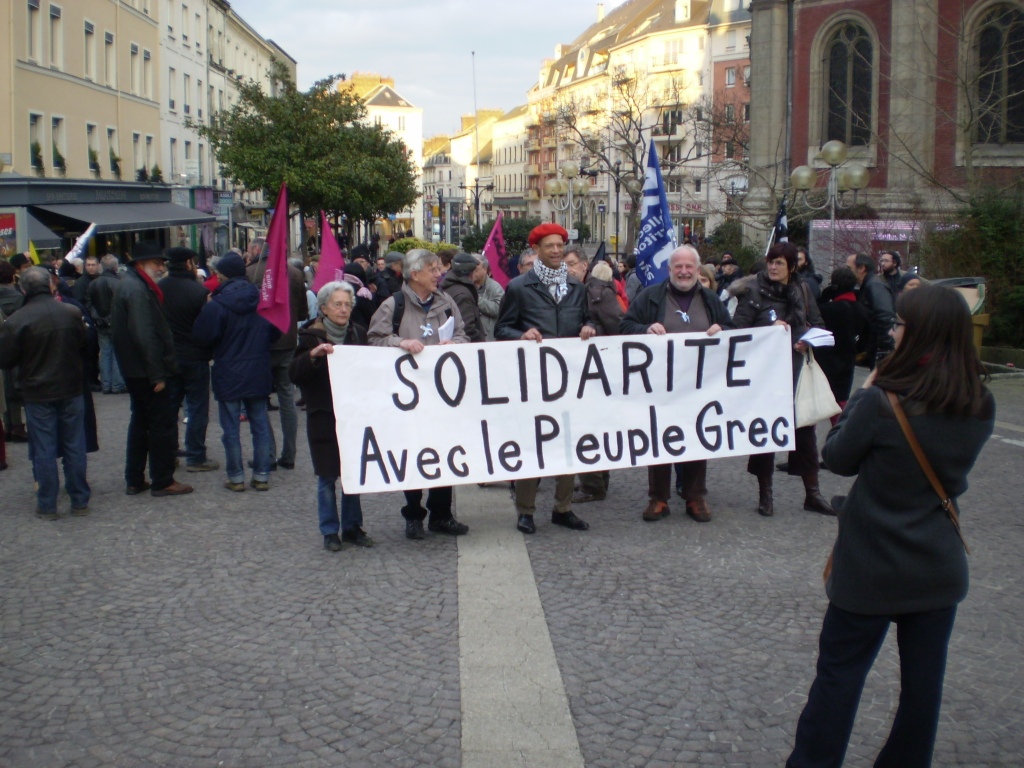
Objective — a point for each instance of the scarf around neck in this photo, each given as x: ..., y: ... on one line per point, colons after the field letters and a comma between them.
x: 556, y: 280
x: 151, y: 283
x: 335, y: 333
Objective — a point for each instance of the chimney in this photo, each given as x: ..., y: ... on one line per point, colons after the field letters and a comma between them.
x: 600, y: 11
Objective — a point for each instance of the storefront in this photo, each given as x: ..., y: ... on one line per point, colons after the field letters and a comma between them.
x: 55, y: 212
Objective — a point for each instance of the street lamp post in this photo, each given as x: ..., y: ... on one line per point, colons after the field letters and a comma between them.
x: 841, y: 178
x: 561, y: 191
x: 475, y: 190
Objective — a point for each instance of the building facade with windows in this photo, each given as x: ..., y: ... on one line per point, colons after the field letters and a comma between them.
x: 508, y: 142
x: 925, y: 93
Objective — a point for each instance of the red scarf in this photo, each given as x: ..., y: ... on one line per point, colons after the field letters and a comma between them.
x: 149, y: 281
x: 848, y: 296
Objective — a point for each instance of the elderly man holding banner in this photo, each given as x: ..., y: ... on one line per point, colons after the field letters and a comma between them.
x: 677, y: 305
x: 545, y: 302
x: 412, y: 319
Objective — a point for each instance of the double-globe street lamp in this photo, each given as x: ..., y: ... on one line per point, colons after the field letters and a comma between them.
x: 475, y: 190
x: 561, y: 191
x: 841, y: 179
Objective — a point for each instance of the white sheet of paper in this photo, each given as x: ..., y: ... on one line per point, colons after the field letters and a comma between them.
x: 447, y: 330
x: 819, y: 337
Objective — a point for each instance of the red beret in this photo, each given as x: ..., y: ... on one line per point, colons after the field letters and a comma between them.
x: 539, y: 233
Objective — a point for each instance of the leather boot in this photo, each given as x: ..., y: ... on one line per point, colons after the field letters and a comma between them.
x: 813, y: 500
x: 765, y: 500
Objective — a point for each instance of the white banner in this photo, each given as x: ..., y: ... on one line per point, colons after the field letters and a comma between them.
x: 470, y: 413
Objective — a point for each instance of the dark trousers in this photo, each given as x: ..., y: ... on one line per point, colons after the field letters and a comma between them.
x: 847, y: 648
x: 803, y: 459
x: 692, y: 478
x: 439, y: 503
x: 191, y: 386
x: 152, y: 433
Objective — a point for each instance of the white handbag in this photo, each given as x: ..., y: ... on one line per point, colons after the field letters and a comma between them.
x: 814, y: 400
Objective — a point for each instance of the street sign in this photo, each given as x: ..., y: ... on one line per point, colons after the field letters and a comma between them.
x: 600, y: 207
x: 574, y: 234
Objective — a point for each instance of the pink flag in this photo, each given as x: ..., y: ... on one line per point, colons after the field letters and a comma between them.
x: 332, y: 264
x: 274, y: 302
x: 497, y: 256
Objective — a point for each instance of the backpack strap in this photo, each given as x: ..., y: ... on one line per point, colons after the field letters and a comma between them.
x: 396, y: 317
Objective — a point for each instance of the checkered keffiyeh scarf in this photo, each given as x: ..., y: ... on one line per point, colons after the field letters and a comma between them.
x: 554, y: 279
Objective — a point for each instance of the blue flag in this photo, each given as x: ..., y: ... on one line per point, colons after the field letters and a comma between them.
x: 657, y: 237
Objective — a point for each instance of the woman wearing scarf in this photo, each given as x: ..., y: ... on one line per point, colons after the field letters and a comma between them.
x: 335, y: 302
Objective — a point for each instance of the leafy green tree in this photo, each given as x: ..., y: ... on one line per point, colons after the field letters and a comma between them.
x: 516, y: 232
x: 313, y: 141
x: 986, y: 239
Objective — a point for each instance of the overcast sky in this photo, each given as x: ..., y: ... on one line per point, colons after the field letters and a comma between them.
x: 425, y: 46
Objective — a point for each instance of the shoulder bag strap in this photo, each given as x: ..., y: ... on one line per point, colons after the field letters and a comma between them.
x: 947, y: 503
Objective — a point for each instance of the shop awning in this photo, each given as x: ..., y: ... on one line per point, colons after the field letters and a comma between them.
x: 128, y: 217
x: 42, y: 236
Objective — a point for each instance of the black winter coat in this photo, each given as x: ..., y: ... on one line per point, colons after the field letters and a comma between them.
x: 314, y: 381
x: 142, y: 339
x: 240, y: 340
x: 877, y: 299
x: 184, y: 299
x: 605, y: 309
x: 100, y: 298
x: 845, y: 318
x: 464, y: 293
x: 529, y: 304
x: 45, y: 339
x: 649, y: 307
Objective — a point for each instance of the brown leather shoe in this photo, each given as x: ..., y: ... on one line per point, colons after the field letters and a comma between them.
x: 583, y: 497
x: 698, y: 510
x: 655, y: 511
x: 174, y: 489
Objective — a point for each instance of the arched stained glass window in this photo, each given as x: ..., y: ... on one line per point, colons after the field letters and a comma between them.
x: 848, y: 83
x: 999, y: 82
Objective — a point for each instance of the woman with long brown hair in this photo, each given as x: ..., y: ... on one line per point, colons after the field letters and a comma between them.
x: 899, y: 556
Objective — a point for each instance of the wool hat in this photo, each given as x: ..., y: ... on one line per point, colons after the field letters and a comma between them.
x: 144, y: 250
x: 464, y: 263
x: 391, y: 257
x: 231, y: 265
x: 539, y: 233
x: 729, y: 260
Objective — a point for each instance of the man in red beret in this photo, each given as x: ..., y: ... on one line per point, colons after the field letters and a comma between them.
x: 545, y: 302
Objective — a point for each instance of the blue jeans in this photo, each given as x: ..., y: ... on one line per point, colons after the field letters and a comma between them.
x: 259, y: 426
x: 848, y: 646
x: 110, y: 374
x: 192, y: 386
x: 327, y: 507
x: 280, y: 361
x: 58, y: 427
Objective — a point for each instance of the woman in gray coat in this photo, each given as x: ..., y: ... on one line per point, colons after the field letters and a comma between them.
x: 899, y: 557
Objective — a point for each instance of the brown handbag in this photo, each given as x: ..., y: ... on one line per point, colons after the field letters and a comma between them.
x: 948, y: 504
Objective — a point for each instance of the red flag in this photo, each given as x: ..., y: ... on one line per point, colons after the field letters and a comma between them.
x: 274, y: 302
x: 497, y: 256
x: 332, y: 264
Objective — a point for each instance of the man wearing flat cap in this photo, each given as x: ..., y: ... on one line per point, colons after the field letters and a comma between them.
x: 144, y: 348
x: 393, y: 271
x: 184, y: 299
x: 545, y: 302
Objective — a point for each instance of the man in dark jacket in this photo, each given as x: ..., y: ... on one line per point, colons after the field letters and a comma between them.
x: 889, y: 271
x: 241, y: 343
x: 460, y: 285
x: 145, y: 354
x: 545, y: 302
x: 876, y: 297
x: 100, y: 302
x: 393, y: 271
x: 281, y: 358
x: 45, y: 339
x: 677, y: 305
x: 184, y: 299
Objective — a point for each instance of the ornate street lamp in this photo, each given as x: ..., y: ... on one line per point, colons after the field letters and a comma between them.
x: 561, y: 191
x: 841, y: 179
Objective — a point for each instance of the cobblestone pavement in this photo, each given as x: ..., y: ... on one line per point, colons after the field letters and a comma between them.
x: 213, y: 629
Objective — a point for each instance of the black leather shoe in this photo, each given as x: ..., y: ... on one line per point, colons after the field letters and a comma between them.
x: 526, y: 525
x: 569, y: 520
x: 332, y: 543
x: 448, y: 525
x: 135, y: 490
x: 414, y: 529
x: 273, y: 465
x: 285, y: 464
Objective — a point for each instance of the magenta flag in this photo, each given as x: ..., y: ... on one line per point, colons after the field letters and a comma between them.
x: 497, y: 256
x: 274, y: 304
x: 332, y: 264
